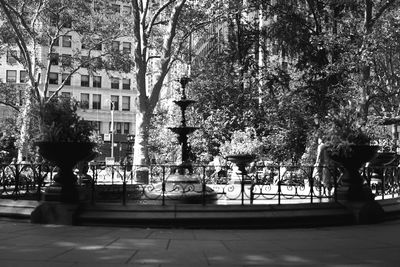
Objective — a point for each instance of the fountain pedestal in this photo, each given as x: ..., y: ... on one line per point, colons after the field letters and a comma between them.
x: 182, y: 185
x: 353, y: 192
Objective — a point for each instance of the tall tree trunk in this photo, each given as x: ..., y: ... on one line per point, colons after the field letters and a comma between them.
x: 371, y: 16
x: 25, y: 123
x: 148, y: 97
x: 141, y: 152
x: 365, y: 70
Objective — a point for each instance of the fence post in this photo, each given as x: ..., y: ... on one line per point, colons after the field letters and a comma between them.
x: 311, y: 183
x: 242, y: 188
x: 163, y: 187
x: 253, y: 182
x: 203, y: 187
x: 93, y: 183
x: 39, y: 181
x: 17, y: 181
x: 393, y: 175
x: 383, y: 182
x: 279, y: 185
x: 124, y: 188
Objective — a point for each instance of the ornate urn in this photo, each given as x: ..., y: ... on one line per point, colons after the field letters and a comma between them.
x: 242, y: 161
x: 65, y: 155
x: 352, y: 158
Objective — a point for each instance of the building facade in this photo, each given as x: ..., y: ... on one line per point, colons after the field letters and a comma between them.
x: 105, y: 96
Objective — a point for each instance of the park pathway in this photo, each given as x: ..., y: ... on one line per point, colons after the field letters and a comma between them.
x: 25, y: 244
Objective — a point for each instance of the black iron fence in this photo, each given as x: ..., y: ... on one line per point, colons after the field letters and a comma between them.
x: 203, y: 184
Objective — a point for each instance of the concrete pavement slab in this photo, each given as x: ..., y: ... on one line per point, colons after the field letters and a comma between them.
x: 30, y: 263
x: 185, y: 234
x: 95, y: 255
x: 24, y: 244
x: 254, y: 246
x: 220, y: 234
x: 244, y: 258
x: 170, y: 257
x: 140, y: 244
x: 193, y: 246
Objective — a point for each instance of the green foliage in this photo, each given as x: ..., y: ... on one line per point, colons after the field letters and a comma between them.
x: 60, y: 123
x: 344, y: 130
x: 242, y: 143
x: 287, y: 144
x: 163, y: 144
x: 8, y: 149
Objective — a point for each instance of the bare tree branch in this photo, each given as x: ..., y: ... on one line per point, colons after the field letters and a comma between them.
x: 21, y: 40
x: 166, y: 54
x: 381, y: 10
x: 155, y: 16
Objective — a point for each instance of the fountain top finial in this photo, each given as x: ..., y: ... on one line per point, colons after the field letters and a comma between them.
x: 184, y: 81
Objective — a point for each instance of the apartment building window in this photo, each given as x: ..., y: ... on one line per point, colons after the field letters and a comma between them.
x: 54, y: 59
x: 115, y: 102
x: 56, y: 42
x: 126, y: 103
x: 66, y: 41
x: 84, y: 101
x: 96, y: 101
x: 67, y: 22
x: 66, y: 60
x: 65, y: 76
x: 53, y: 78
x: 96, y: 125
x: 126, y: 127
x: 11, y: 76
x: 97, y: 44
x: 23, y: 76
x: 12, y: 56
x: 66, y: 94
x: 97, y: 81
x: 116, y: 8
x: 98, y: 47
x: 54, y: 19
x: 126, y: 84
x: 126, y: 10
x: 115, y: 46
x: 85, y: 80
x: 119, y: 127
x: 85, y: 61
x: 126, y: 67
x: 114, y: 83
x: 98, y: 63
x: 126, y: 47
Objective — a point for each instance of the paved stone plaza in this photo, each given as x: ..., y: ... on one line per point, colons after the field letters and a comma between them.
x: 25, y: 244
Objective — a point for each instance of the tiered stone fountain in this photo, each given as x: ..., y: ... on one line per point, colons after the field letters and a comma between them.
x: 184, y: 163
x: 182, y: 185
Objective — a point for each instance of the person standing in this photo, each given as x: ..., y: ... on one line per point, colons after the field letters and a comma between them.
x: 323, y: 165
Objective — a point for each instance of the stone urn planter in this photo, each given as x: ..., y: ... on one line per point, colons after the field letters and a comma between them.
x: 241, y: 161
x: 65, y: 155
x: 352, y: 158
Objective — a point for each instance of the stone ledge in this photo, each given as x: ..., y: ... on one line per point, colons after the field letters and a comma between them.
x: 236, y: 216
x: 17, y: 208
x: 186, y: 215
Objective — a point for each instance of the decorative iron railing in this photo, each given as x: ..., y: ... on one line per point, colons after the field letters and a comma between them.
x: 272, y: 184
